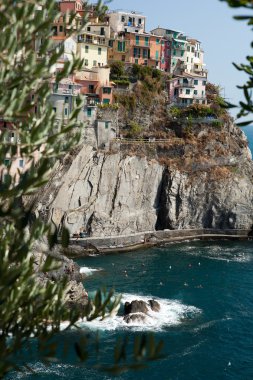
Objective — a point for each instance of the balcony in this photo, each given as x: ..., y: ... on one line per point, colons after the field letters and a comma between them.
x: 185, y: 85
x: 66, y: 91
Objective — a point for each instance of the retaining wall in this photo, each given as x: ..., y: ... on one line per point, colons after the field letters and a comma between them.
x: 152, y: 238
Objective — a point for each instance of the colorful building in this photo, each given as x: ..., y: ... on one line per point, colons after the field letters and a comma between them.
x: 176, y: 46
x: 96, y: 85
x: 93, y: 49
x: 142, y: 49
x: 187, y: 89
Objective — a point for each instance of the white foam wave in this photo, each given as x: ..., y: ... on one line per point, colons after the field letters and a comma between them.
x: 220, y: 253
x: 172, y: 313
x: 89, y: 271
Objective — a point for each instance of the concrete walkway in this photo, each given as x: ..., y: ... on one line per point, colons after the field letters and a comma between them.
x: 125, y: 243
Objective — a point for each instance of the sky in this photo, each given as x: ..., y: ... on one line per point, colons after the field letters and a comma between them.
x: 224, y: 39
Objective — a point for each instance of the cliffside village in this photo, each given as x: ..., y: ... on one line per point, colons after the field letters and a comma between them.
x: 117, y: 36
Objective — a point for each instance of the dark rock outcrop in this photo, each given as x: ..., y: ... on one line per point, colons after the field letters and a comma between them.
x: 136, y: 307
x: 133, y: 318
x: 155, y: 306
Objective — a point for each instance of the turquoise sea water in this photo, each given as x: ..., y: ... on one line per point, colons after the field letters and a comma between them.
x: 249, y: 133
x: 206, y: 321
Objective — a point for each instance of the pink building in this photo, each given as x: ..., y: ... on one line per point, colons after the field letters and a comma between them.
x: 187, y: 89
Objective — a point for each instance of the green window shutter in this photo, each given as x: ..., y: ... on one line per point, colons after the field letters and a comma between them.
x: 157, y: 55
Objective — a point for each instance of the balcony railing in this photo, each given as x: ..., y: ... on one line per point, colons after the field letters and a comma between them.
x: 185, y: 85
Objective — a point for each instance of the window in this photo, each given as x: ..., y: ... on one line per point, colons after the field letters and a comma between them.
x: 70, y: 86
x: 88, y: 29
x: 121, y: 45
x: 7, y: 162
x: 55, y: 87
x: 195, y: 92
x: 145, y: 53
x: 204, y: 82
x: 66, y: 111
x: 137, y: 40
x: 196, y: 82
x: 102, y: 31
x: 157, y: 41
x: 188, y: 48
x: 106, y: 101
x: 137, y: 52
x: 99, y: 51
x: 174, y: 52
x: 136, y: 61
x: 94, y: 63
x: 86, y: 49
x: 123, y: 19
x: 192, y: 49
x: 182, y: 53
x: 66, y: 99
x: 187, y: 59
x: 157, y: 54
x: 123, y: 58
x: 54, y: 30
x: 106, y: 124
x: 107, y: 90
x: 61, y: 28
x: 86, y: 62
x: 203, y: 93
x: 111, y: 43
x: 146, y: 41
x: 185, y: 80
x: 91, y: 88
x: 203, y: 102
x: 54, y: 109
x: 139, y: 21
x: 188, y: 91
x: 21, y: 163
x: 89, y: 112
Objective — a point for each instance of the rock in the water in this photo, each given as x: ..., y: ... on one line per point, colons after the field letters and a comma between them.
x: 136, y: 307
x: 133, y: 318
x: 155, y: 306
x: 76, y: 296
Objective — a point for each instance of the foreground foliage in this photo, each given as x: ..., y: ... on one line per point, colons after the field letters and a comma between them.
x: 29, y: 308
x: 246, y: 106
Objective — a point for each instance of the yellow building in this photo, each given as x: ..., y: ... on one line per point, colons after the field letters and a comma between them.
x: 92, y: 49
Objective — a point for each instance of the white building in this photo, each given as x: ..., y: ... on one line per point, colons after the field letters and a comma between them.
x: 63, y: 97
x: 194, y: 58
x: 124, y: 21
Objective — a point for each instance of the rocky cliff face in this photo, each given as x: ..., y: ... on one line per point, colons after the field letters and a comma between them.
x: 206, y: 183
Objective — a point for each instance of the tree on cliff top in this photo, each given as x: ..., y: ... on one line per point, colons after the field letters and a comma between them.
x: 28, y: 308
x: 246, y: 106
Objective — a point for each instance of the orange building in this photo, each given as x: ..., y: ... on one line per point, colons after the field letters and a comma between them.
x: 96, y: 85
x: 142, y: 49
